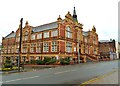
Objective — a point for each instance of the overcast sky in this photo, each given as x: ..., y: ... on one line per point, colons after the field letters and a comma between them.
x: 101, y: 13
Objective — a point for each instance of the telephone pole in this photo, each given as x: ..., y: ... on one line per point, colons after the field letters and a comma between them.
x: 21, y: 21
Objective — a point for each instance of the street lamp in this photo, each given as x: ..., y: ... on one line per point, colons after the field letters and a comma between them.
x: 78, y: 52
x: 78, y: 46
x: 19, y: 58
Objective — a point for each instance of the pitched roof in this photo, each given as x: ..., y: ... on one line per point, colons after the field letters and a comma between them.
x: 85, y: 33
x: 11, y: 35
x: 45, y: 27
x: 105, y: 41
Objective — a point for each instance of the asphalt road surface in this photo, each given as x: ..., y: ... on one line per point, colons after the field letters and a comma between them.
x: 71, y: 74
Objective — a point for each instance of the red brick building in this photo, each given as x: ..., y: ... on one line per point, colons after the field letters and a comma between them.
x: 107, y: 49
x: 60, y: 39
x: 90, y: 43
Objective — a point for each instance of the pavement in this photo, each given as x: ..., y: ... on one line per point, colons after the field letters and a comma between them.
x: 108, y: 79
x: 28, y: 68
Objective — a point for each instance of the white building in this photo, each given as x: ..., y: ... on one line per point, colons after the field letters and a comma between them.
x: 118, y: 49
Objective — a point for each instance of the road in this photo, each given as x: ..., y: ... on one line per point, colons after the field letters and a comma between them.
x: 72, y: 74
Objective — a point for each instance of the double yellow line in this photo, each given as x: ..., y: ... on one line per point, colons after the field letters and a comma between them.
x: 95, y: 79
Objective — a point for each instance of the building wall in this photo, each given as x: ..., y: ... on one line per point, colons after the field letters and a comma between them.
x: 107, y: 49
x: 118, y: 49
x: 33, y: 48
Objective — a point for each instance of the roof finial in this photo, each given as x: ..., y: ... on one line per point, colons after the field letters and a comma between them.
x: 74, y: 15
x: 94, y: 29
x: 59, y: 18
x: 26, y: 23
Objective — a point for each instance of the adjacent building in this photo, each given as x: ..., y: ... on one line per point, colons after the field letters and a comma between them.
x: 118, y: 49
x: 63, y: 38
x: 0, y: 54
x: 107, y: 49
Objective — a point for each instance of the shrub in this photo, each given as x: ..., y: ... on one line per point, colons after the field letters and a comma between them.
x: 6, y: 69
x: 27, y: 62
x: 52, y: 61
x: 64, y: 61
x: 47, y: 63
x: 40, y: 62
x: 67, y: 59
x: 46, y: 59
x: 32, y: 62
x: 8, y: 63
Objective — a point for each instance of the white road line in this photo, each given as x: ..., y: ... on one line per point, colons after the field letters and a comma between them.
x: 1, y: 82
x: 30, y: 77
x: 21, y: 79
x: 73, y: 70
x: 91, y: 67
x: 64, y: 71
x: 13, y: 80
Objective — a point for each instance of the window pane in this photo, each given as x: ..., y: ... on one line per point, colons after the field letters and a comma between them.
x: 68, y: 32
x: 46, y: 34
x: 46, y: 47
x: 33, y: 37
x: 54, y: 46
x: 54, y: 33
x: 68, y: 47
x: 39, y: 36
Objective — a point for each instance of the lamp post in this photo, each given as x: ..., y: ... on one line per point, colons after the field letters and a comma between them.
x: 78, y: 47
x: 78, y: 52
x: 19, y: 58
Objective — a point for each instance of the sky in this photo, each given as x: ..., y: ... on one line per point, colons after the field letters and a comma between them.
x: 103, y: 14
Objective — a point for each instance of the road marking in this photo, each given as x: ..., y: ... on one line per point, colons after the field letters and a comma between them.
x: 30, y: 77
x: 21, y: 79
x: 65, y: 71
x: 91, y: 67
x: 95, y: 79
x: 13, y: 80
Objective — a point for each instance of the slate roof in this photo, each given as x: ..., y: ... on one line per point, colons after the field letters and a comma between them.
x: 38, y: 28
x: 45, y: 27
x: 105, y: 41
x: 11, y: 35
x: 85, y: 33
